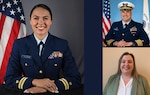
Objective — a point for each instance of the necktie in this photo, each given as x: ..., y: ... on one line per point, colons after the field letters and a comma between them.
x: 125, y: 25
x: 41, y: 47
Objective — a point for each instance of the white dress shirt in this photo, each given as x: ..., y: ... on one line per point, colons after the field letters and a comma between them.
x: 38, y: 42
x: 125, y: 23
x: 124, y: 89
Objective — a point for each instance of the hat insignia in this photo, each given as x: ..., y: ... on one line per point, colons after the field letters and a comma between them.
x: 125, y: 4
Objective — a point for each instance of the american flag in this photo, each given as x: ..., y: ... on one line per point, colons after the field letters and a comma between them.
x: 106, y: 18
x: 12, y: 26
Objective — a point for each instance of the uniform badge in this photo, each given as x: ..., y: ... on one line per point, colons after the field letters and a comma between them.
x: 133, y: 29
x: 26, y: 56
x: 55, y: 54
x: 116, y: 29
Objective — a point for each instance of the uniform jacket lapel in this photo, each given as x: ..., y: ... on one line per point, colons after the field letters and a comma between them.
x: 33, y: 49
x: 48, y: 49
x: 130, y: 25
x: 121, y: 26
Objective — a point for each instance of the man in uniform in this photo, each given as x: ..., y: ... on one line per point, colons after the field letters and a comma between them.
x: 126, y: 32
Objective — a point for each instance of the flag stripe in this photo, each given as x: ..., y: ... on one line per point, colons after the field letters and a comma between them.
x: 2, y: 20
x: 106, y: 23
x: 103, y: 34
x: 5, y: 36
x: 14, y: 34
x: 12, y: 26
x: 22, y: 33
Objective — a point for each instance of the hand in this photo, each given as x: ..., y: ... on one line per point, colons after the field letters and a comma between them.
x: 129, y: 44
x: 35, y: 90
x: 45, y: 83
x: 123, y: 43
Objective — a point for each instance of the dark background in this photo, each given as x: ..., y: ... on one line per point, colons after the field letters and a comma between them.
x: 93, y: 47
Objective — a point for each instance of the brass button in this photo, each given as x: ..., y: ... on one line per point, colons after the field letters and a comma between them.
x: 122, y: 34
x: 26, y: 64
x: 55, y: 64
x: 17, y: 81
x: 40, y: 71
x: 70, y: 83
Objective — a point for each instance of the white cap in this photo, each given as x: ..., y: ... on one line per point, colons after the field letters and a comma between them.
x: 126, y: 5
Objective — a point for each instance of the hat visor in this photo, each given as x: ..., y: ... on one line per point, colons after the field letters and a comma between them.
x: 126, y: 8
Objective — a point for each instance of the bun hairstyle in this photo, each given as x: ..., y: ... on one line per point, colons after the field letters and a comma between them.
x: 42, y: 6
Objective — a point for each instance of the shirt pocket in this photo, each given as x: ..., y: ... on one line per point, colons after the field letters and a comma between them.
x: 29, y: 67
x: 54, y: 64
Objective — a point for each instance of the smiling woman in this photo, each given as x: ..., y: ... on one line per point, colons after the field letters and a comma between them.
x: 41, y: 20
x: 36, y: 72
x: 127, y: 80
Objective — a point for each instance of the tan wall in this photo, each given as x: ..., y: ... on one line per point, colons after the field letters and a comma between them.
x: 111, y: 56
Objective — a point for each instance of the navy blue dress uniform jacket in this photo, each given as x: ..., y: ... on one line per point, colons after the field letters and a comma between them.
x: 134, y: 32
x: 25, y: 64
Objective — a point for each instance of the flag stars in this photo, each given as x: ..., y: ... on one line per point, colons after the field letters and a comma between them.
x: 12, y: 12
x: 15, y: 2
x: 13, y: 8
x: 105, y: 5
x: 19, y: 10
x: 8, y: 5
x: 106, y: 2
x: 22, y: 17
x: 1, y: 1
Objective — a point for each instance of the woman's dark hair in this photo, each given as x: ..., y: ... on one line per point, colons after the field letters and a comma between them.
x: 42, y: 6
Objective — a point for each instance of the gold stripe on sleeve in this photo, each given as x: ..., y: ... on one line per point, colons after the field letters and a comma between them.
x: 64, y: 81
x: 21, y: 83
x: 109, y: 41
x: 139, y: 42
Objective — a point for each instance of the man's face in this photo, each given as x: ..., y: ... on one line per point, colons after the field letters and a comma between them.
x: 126, y: 15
